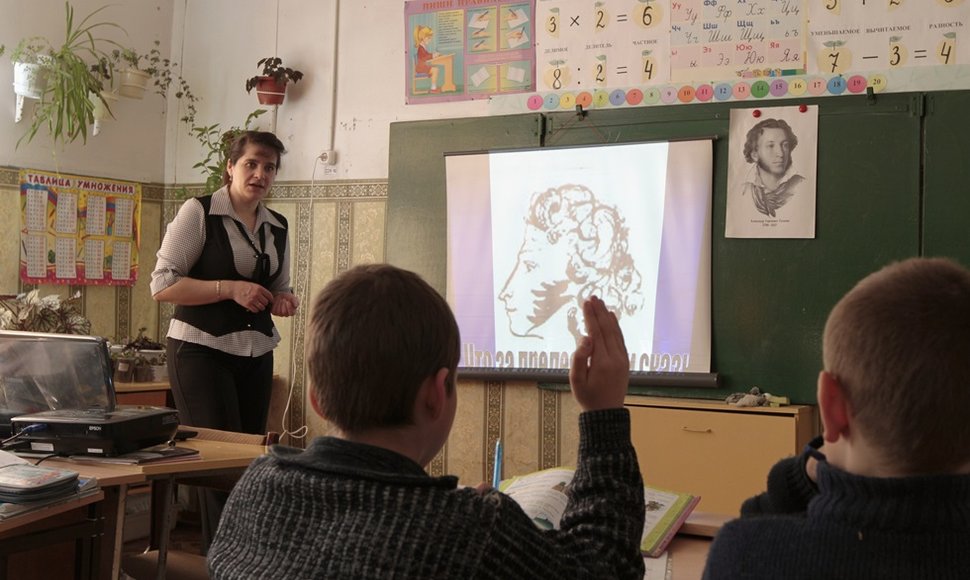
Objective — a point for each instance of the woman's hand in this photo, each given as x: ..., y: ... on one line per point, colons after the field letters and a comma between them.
x: 285, y: 304
x: 251, y: 296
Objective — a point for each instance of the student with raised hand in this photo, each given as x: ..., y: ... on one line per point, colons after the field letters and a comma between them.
x: 382, y: 350
x: 885, y: 492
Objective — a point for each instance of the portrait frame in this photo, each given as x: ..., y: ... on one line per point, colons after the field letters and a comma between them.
x: 772, y: 172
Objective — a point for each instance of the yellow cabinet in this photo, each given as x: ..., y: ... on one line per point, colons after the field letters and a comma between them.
x: 719, y: 452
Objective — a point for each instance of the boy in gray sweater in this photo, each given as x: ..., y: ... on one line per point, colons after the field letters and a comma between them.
x: 382, y: 351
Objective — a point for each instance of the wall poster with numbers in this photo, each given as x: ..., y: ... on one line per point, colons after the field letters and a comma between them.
x: 615, y: 53
x: 468, y: 49
x: 78, y: 230
x: 856, y: 35
x: 595, y: 44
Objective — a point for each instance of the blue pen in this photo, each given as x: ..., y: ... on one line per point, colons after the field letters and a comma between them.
x: 497, y: 466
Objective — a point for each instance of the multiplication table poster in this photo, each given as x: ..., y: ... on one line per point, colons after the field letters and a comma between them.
x: 78, y: 230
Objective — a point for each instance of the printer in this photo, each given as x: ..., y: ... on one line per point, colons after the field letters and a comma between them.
x: 58, y: 390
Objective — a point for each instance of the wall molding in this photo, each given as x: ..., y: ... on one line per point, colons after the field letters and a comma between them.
x: 340, y: 189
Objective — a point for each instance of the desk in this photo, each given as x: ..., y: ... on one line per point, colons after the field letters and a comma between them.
x: 447, y: 62
x: 216, y: 459
x: 44, y: 530
x: 219, y: 461
x: 688, y: 554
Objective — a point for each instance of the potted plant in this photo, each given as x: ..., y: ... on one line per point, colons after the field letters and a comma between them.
x: 103, y: 100
x: 33, y: 313
x: 140, y: 360
x: 215, y: 144
x: 133, y: 79
x: 271, y: 84
x: 65, y: 108
x: 137, y: 69
x: 28, y: 78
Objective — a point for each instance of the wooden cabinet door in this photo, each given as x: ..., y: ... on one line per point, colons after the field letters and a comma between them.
x: 722, y: 456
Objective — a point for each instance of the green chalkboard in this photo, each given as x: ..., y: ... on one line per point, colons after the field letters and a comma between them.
x: 946, y: 176
x: 770, y: 297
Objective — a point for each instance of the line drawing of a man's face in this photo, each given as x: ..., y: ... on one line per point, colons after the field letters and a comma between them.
x: 573, y: 247
x: 769, y: 144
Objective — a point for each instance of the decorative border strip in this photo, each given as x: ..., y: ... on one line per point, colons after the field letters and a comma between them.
x: 439, y: 464
x: 550, y: 412
x: 345, y: 230
x: 10, y: 176
x: 357, y: 189
x: 301, y: 284
x: 769, y: 86
x: 299, y: 190
x: 123, y: 310
x: 494, y: 413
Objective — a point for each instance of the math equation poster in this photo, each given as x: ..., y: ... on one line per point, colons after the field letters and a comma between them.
x: 468, y: 49
x: 78, y: 230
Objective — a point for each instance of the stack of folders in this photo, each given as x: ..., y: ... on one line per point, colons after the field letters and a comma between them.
x: 25, y: 487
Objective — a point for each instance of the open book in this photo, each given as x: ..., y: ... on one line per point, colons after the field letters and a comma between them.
x: 543, y: 498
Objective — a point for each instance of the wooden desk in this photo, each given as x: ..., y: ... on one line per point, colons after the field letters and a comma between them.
x: 688, y: 554
x: 217, y: 459
x: 35, y: 542
x: 688, y: 550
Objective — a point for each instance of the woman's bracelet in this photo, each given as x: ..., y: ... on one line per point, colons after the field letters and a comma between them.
x: 218, y: 288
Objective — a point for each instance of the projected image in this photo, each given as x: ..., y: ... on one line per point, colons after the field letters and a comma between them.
x: 581, y: 245
x: 533, y: 233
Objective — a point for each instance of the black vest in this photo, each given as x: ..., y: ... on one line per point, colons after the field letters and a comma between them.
x: 217, y: 263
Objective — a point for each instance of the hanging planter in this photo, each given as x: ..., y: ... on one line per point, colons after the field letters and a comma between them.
x: 133, y: 83
x: 29, y: 79
x: 101, y: 108
x: 269, y: 91
x: 271, y: 84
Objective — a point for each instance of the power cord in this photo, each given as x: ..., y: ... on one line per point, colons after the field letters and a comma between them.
x: 32, y: 428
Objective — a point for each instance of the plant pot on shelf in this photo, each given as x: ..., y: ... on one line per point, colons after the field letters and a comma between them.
x: 144, y: 373
x: 133, y: 83
x: 124, y: 369
x: 270, y: 92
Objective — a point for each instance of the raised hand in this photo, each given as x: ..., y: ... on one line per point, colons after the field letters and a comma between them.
x: 600, y: 371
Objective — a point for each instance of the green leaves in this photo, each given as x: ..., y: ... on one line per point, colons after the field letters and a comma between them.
x: 65, y: 109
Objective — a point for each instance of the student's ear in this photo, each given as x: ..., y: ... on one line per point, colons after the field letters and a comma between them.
x: 833, y: 406
x: 434, y: 394
x: 314, y: 402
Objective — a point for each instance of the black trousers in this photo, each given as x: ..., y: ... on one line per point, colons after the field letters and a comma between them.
x: 220, y: 391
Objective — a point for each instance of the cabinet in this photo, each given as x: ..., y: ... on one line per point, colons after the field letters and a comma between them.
x: 719, y: 452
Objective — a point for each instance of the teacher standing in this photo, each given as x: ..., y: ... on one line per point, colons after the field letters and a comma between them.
x: 224, y: 262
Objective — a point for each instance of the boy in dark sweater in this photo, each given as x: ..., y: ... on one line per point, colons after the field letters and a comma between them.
x: 885, y: 493
x: 382, y: 351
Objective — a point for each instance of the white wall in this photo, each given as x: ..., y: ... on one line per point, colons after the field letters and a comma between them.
x: 129, y: 147
x: 218, y: 43
x: 225, y: 38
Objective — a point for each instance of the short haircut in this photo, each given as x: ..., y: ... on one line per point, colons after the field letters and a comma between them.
x: 260, y: 138
x: 375, y: 334
x: 754, y: 133
x: 899, y: 343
